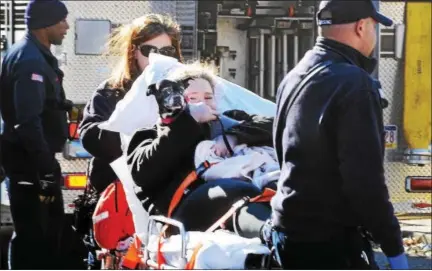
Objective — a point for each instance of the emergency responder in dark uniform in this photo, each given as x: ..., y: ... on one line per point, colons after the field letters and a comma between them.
x: 329, y: 139
x: 34, y: 109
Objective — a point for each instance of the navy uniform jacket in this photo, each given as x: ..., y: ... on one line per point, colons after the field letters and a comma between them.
x: 331, y: 152
x: 33, y: 108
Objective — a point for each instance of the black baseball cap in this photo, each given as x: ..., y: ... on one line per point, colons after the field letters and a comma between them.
x: 349, y: 11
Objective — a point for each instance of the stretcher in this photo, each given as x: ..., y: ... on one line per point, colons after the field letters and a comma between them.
x: 213, y: 249
x: 201, y: 250
x: 188, y: 250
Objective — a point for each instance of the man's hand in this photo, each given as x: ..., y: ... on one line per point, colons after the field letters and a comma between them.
x: 67, y: 105
x: 220, y: 148
x: 202, y: 113
x: 48, y: 185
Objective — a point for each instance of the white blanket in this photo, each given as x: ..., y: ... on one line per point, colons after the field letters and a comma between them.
x: 220, y: 250
x: 258, y: 164
x: 139, y: 214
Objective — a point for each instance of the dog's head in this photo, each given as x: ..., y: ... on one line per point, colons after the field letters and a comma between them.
x: 169, y: 96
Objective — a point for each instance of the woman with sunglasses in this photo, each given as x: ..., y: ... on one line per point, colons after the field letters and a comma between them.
x: 133, y: 43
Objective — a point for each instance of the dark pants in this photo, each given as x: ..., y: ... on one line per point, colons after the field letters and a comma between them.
x: 210, y: 201
x: 351, y: 251
x: 38, y: 226
x: 36, y: 243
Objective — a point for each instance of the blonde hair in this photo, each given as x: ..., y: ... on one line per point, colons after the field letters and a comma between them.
x: 196, y: 70
x: 127, y: 37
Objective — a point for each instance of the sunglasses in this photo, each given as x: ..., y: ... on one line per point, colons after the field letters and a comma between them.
x: 166, y: 51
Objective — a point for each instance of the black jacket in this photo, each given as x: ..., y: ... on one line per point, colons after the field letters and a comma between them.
x: 332, y: 152
x: 104, y: 146
x: 160, y: 158
x: 33, y: 107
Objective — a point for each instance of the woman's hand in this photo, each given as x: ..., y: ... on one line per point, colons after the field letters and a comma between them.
x: 220, y: 148
x: 202, y: 113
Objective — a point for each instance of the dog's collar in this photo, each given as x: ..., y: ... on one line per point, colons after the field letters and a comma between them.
x: 167, y: 120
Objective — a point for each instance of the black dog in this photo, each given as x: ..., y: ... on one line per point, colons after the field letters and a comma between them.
x: 170, y: 98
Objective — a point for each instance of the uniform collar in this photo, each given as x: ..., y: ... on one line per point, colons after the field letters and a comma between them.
x: 349, y: 53
x: 45, y: 51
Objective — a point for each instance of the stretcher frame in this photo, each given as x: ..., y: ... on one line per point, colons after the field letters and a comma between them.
x: 184, y: 239
x: 150, y: 264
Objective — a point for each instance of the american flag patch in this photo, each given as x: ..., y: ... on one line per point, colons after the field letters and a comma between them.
x: 37, y: 77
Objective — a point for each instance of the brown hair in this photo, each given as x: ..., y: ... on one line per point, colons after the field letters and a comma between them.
x: 195, y: 70
x: 125, y: 39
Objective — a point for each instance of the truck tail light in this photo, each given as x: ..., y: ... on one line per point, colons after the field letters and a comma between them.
x: 75, y: 180
x: 75, y: 116
x: 418, y: 184
x: 73, y: 130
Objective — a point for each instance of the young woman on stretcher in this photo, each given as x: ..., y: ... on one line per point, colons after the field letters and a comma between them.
x: 161, y: 158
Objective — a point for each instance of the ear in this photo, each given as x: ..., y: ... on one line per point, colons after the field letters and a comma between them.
x: 360, y: 27
x: 151, y: 90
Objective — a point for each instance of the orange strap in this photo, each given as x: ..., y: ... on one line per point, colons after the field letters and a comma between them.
x: 192, y: 177
x: 191, y: 264
x: 132, y: 257
x: 159, y: 256
x: 265, y: 196
x: 178, y: 195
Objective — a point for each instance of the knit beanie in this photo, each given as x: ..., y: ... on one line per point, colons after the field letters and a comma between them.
x: 44, y: 13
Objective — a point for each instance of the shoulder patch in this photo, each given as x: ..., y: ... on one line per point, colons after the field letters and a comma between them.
x: 37, y: 77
